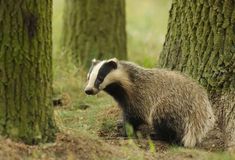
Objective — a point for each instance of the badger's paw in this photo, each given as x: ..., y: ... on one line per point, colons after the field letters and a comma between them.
x: 189, y: 140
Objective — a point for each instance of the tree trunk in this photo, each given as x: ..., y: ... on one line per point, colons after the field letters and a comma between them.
x: 26, y: 111
x: 94, y: 29
x: 201, y: 42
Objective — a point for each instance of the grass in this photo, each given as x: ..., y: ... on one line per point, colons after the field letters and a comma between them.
x: 201, y: 154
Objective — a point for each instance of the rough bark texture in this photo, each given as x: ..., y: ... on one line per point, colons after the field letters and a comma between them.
x: 201, y: 42
x: 94, y: 29
x: 26, y: 111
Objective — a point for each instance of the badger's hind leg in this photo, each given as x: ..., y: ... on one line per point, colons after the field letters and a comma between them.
x: 177, y: 135
x: 165, y: 130
x: 197, y: 127
x: 190, y: 137
x: 193, y: 134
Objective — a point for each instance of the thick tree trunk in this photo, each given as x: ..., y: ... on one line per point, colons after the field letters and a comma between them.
x: 94, y: 29
x: 201, y: 42
x: 26, y: 111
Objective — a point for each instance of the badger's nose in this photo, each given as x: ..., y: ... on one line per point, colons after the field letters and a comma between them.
x: 89, y: 91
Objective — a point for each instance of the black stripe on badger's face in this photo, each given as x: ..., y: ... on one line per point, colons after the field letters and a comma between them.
x: 104, y: 70
x: 97, y: 75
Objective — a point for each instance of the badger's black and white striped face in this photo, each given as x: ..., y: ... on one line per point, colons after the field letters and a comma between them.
x: 100, y: 75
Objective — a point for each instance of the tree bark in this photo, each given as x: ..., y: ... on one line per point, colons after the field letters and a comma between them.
x: 94, y: 29
x: 26, y: 111
x: 201, y: 42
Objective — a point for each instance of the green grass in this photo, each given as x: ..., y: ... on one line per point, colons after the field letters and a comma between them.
x: 201, y: 154
x: 71, y: 81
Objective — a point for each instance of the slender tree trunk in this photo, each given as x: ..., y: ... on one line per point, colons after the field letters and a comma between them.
x: 26, y: 111
x: 201, y: 42
x: 94, y: 29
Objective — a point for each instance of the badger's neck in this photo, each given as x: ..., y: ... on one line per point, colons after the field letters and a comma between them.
x: 118, y: 92
x: 121, y: 89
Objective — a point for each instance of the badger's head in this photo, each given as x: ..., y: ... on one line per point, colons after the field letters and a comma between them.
x: 102, y: 74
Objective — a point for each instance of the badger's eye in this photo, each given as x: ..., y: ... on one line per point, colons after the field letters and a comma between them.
x: 99, y: 78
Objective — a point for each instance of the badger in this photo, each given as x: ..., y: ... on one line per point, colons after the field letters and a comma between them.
x: 173, y: 104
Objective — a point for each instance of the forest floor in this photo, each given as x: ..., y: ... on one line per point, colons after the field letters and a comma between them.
x: 88, y: 130
x: 80, y: 139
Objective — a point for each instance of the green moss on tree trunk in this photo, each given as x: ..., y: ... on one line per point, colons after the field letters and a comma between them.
x: 26, y: 111
x: 94, y: 29
x: 201, y: 42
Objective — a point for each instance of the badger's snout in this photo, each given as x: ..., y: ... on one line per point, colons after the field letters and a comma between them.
x: 90, y: 91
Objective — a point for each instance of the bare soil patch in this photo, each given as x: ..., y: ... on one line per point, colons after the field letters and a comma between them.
x: 65, y: 147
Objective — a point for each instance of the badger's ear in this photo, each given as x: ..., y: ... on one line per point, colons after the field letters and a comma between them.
x: 95, y: 61
x: 113, y: 63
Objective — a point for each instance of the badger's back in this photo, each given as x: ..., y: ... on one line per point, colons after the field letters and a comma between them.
x: 159, y: 83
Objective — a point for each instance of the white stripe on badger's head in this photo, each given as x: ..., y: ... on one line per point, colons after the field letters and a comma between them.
x: 93, y: 63
x: 99, y: 75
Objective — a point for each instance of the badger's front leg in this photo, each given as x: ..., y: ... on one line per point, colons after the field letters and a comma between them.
x: 129, y: 125
x: 121, y: 126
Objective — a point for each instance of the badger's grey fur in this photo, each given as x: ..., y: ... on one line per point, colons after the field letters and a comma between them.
x: 169, y: 101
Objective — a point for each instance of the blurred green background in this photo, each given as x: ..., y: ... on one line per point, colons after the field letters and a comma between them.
x: 146, y: 29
